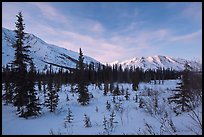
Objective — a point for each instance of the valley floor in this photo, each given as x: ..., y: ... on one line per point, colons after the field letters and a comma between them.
x: 130, y: 118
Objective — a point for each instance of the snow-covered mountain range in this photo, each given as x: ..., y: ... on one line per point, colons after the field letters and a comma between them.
x: 41, y: 52
x: 159, y: 61
x: 44, y: 54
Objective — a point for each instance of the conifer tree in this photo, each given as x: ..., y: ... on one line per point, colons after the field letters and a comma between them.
x: 8, y: 87
x: 108, y: 105
x: 111, y: 87
x: 183, y: 95
x: 67, y: 98
x: 127, y: 94
x: 111, y: 120
x: 52, y: 96
x: 33, y: 106
x: 39, y: 86
x: 135, y: 84
x: 72, y: 88
x: 122, y: 91
x: 116, y: 91
x: 105, y: 89
x: 87, y: 122
x: 82, y: 89
x: 105, y: 124
x: 69, y: 118
x: 20, y: 63
x: 141, y: 103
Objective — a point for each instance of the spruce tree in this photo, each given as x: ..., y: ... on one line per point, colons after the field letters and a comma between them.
x: 52, y: 96
x: 8, y: 87
x: 108, y: 105
x: 105, y: 89
x: 69, y: 118
x: 33, y: 106
x: 105, y: 123
x: 67, y: 98
x: 111, y: 87
x: 122, y: 91
x: 112, y: 121
x: 141, y: 103
x: 39, y: 85
x: 82, y: 89
x: 135, y: 83
x: 116, y: 91
x: 183, y: 94
x: 87, y: 122
x: 127, y: 94
x: 21, y: 60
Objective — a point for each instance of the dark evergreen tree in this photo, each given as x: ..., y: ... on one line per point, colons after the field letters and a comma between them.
x: 8, y: 87
x: 116, y: 91
x: 135, y: 81
x: 8, y: 95
x: 112, y: 121
x: 136, y: 98
x: 183, y: 94
x: 141, y: 103
x: 44, y: 89
x: 96, y: 109
x: 87, y: 122
x: 33, y: 106
x: 20, y: 63
x: 105, y: 89
x: 39, y: 86
x: 67, y: 98
x: 108, y: 105
x: 111, y: 87
x: 69, y: 118
x: 52, y: 96
x: 72, y: 90
x: 127, y: 94
x: 122, y: 91
x: 82, y: 89
x: 105, y: 124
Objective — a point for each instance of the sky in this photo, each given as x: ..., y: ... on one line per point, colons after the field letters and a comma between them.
x: 114, y: 31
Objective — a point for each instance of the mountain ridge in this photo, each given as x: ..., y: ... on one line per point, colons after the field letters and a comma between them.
x: 45, y: 54
x: 158, y: 61
x: 42, y: 53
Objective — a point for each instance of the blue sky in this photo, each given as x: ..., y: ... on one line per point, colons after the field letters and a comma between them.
x: 114, y: 31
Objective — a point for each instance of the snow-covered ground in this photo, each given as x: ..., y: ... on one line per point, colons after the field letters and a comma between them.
x: 130, y: 117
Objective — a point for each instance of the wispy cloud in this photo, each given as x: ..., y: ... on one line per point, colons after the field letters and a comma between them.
x: 49, y: 11
x: 97, y: 27
x: 125, y: 33
x: 187, y: 37
x: 99, y: 48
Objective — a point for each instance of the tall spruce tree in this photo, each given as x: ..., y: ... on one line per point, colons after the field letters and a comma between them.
x: 81, y: 86
x: 20, y: 63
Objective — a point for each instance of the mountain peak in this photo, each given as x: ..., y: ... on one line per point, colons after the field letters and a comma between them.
x: 43, y: 54
x: 159, y: 61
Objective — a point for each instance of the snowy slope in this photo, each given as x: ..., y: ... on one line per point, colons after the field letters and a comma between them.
x: 158, y: 61
x: 129, y: 121
x: 41, y: 52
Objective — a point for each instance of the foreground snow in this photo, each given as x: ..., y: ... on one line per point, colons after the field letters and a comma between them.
x: 129, y: 121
